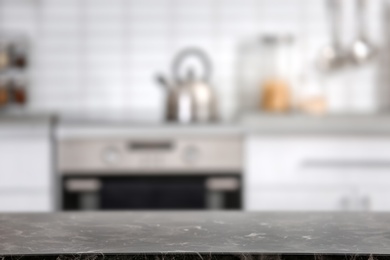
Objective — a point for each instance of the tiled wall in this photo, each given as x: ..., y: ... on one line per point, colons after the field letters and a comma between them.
x: 96, y: 55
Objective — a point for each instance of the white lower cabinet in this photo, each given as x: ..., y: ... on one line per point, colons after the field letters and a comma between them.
x: 26, y: 177
x: 25, y: 202
x: 323, y: 173
x: 25, y: 163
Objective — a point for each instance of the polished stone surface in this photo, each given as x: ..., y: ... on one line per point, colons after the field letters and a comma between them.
x: 123, y: 235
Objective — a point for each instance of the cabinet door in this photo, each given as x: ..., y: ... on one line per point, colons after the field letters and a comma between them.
x: 25, y: 163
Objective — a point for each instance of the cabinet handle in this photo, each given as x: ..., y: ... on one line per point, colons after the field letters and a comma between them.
x: 335, y: 163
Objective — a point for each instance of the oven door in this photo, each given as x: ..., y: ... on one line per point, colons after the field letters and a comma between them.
x: 154, y: 193
x: 151, y: 193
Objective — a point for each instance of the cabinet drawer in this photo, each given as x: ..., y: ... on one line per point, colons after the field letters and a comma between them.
x: 318, y: 160
x: 298, y: 199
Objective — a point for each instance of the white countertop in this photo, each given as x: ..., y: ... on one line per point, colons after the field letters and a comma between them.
x: 248, y: 124
x: 152, y: 130
x: 25, y: 125
x: 378, y: 124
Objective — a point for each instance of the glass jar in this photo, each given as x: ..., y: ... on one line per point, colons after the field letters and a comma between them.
x: 312, y: 96
x: 265, y: 68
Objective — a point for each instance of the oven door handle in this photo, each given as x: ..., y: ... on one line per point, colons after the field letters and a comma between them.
x: 83, y: 185
x: 222, y: 184
x: 94, y: 185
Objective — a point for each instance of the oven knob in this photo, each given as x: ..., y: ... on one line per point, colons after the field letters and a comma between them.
x: 191, y: 155
x: 110, y: 155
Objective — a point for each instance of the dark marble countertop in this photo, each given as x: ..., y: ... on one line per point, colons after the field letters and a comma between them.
x: 159, y: 235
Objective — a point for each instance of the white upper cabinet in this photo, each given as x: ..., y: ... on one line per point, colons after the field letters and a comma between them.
x: 317, y: 173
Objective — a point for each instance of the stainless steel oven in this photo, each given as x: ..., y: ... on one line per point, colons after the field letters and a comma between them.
x: 149, y: 173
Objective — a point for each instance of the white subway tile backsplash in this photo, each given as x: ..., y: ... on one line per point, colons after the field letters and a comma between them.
x: 99, y: 54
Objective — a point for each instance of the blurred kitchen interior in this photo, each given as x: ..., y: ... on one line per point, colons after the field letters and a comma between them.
x: 183, y: 104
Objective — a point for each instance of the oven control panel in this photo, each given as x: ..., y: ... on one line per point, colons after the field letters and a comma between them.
x: 198, y: 154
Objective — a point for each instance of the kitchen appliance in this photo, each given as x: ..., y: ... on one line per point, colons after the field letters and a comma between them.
x: 175, y: 171
x: 190, y: 99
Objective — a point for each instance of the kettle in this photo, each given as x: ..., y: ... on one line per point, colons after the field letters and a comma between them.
x: 190, y: 99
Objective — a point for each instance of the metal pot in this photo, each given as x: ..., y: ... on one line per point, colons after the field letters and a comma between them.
x: 190, y: 99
